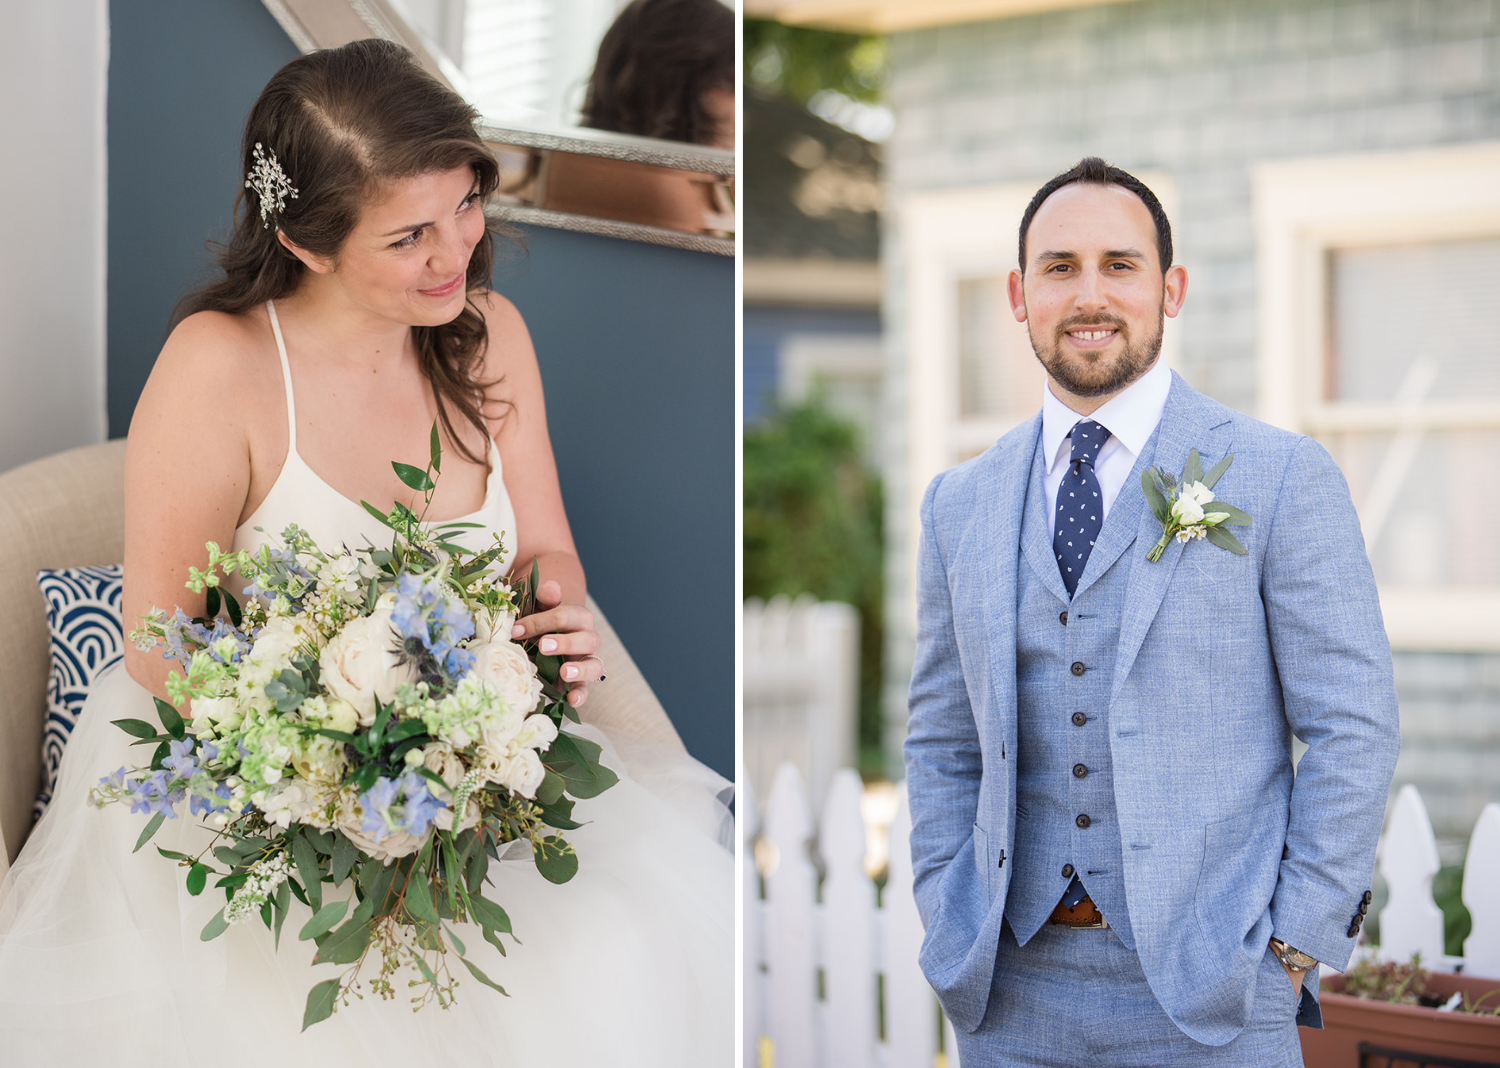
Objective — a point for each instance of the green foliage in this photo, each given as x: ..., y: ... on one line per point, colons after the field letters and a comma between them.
x: 797, y: 62
x: 1377, y: 980
x: 813, y: 525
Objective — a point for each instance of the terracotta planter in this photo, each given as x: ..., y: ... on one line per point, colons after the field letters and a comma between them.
x: 1450, y: 1037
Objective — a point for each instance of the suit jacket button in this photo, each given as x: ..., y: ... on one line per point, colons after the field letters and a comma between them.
x: 1067, y: 871
x: 1079, y: 771
x: 1063, y: 618
x: 1364, y: 907
x: 1083, y: 822
x: 1366, y: 898
x: 1078, y: 668
x: 1353, y: 930
x: 1079, y: 719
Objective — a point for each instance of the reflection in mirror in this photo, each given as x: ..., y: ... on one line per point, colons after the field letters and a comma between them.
x: 606, y: 117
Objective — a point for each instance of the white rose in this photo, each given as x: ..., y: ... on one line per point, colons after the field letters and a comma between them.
x: 524, y: 773
x: 504, y: 664
x: 279, y: 638
x: 330, y: 713
x: 362, y: 662
x: 440, y: 758
x: 213, y: 715
x: 538, y: 732
x: 1188, y: 508
x: 443, y: 821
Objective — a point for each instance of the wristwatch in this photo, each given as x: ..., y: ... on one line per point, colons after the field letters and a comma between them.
x: 1294, y: 959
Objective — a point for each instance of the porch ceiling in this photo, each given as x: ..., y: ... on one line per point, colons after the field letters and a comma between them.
x: 890, y: 16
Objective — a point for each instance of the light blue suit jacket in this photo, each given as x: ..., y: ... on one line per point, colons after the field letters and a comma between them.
x: 1221, y: 659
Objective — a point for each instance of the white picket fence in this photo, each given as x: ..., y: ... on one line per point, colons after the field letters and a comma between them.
x: 801, y: 689
x: 821, y: 968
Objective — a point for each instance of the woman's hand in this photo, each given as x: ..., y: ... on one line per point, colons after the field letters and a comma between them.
x: 567, y: 631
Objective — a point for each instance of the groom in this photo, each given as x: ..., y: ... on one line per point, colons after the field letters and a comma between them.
x: 1115, y: 862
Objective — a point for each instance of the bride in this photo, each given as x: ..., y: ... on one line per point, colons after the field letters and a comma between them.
x: 353, y: 313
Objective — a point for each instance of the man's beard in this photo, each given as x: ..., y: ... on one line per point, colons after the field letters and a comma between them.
x: 1086, y: 381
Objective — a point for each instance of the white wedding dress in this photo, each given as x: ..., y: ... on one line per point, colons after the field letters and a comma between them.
x: 630, y: 963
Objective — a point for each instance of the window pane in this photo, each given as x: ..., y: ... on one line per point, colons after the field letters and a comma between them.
x: 1424, y: 503
x: 998, y: 373
x: 1424, y: 314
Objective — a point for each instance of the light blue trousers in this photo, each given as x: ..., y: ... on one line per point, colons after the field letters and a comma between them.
x: 1073, y: 998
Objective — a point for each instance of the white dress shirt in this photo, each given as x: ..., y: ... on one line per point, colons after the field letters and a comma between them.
x: 1130, y: 417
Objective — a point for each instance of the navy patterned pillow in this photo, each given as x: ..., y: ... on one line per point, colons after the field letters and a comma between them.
x: 85, y: 624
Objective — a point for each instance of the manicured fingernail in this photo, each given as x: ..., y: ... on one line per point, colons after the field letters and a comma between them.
x: 570, y: 672
x: 518, y: 631
x: 547, y: 645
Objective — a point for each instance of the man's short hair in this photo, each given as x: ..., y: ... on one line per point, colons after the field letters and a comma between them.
x: 1095, y: 171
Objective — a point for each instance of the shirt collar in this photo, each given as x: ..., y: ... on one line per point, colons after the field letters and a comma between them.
x: 1131, y: 416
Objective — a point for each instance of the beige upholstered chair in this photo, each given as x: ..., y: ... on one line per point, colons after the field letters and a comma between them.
x: 68, y: 511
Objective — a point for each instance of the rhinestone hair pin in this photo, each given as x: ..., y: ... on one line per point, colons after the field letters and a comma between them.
x: 270, y: 184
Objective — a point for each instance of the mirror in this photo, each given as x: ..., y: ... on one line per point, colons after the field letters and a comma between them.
x: 526, y: 66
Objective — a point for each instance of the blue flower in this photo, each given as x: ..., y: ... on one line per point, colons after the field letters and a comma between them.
x: 424, y: 613
x: 421, y: 806
x: 377, y: 802
x: 182, y: 760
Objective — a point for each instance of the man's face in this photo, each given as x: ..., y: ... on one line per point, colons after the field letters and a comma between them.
x: 1093, y: 295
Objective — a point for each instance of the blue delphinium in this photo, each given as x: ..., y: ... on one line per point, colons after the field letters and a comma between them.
x: 424, y: 613
x: 401, y: 804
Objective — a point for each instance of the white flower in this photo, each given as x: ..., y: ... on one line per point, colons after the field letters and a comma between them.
x: 538, y: 732
x: 319, y: 759
x: 362, y: 661
x: 489, y: 625
x: 331, y: 713
x: 278, y: 639
x: 291, y: 802
x: 505, y: 664
x: 525, y: 773
x: 214, y: 715
x: 440, y: 757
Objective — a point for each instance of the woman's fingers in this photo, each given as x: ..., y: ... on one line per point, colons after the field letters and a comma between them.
x: 554, y: 622
x: 586, y: 670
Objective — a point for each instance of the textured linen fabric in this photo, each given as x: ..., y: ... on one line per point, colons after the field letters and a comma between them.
x: 1221, y: 660
x: 1112, y: 1020
x: 86, y: 636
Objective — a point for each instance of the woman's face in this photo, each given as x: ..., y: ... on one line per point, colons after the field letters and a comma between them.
x: 407, y: 257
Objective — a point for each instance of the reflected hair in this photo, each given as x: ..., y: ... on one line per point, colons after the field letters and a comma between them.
x: 341, y: 123
x: 654, y: 66
x: 1094, y: 171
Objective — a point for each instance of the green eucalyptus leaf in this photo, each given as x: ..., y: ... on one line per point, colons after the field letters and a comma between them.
x: 344, y: 855
x: 1217, y: 471
x: 426, y: 968
x: 488, y: 914
x: 555, y: 859
x: 152, y: 826
x: 197, y: 879
x: 477, y: 974
x: 320, y: 1001
x: 1225, y: 540
x: 322, y: 840
x: 493, y: 939
x: 1192, y: 471
x: 228, y: 856
x: 345, y: 945
x: 215, y: 927
x: 172, y: 854
x: 551, y: 789
x: 282, y: 901
x: 414, y: 477
x: 308, y: 868
x: 1154, y: 499
x: 1236, y: 518
x: 418, y: 898
x: 458, y: 943
x: 475, y: 869
x: 324, y: 919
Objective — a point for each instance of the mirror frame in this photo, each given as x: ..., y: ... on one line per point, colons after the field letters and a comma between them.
x: 314, y: 24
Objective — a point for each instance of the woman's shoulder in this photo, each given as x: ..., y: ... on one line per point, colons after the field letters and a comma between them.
x: 218, y: 343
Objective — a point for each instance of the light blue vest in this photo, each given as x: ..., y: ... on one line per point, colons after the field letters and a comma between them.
x: 1063, y: 769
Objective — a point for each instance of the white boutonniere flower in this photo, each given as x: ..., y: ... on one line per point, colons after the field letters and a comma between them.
x: 1187, y: 508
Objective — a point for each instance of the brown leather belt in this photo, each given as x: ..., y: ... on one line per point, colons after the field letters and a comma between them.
x: 1085, y: 914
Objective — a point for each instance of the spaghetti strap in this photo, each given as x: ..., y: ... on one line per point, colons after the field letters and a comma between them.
x: 286, y: 374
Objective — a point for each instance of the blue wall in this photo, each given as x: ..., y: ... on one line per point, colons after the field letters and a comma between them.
x: 768, y: 325
x: 636, y: 345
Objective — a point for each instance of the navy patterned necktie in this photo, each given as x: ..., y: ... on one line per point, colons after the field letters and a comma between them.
x: 1080, y: 507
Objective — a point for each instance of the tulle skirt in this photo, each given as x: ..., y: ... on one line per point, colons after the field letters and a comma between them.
x: 630, y: 963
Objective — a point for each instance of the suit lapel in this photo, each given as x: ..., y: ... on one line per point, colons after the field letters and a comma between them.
x: 1189, y: 421
x: 1001, y: 498
x: 1036, y: 528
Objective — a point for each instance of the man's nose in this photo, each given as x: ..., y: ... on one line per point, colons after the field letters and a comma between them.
x: 1090, y: 295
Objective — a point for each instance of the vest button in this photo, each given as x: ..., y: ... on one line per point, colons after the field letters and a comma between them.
x: 1063, y: 618
x: 1079, y: 719
x: 1078, y: 668
x: 1067, y: 871
x: 1083, y: 822
x: 1079, y: 771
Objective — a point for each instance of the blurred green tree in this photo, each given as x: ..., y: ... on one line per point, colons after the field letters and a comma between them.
x: 798, y: 62
x: 812, y: 524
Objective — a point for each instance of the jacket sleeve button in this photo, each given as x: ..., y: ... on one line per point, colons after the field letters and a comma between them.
x: 1083, y: 821
x: 1078, y: 668
x: 1079, y: 719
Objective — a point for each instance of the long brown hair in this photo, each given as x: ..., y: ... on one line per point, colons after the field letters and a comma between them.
x: 340, y: 122
x: 655, y: 64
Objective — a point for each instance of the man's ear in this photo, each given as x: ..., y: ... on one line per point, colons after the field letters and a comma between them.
x: 1175, y: 286
x: 1016, y: 294
x: 313, y: 262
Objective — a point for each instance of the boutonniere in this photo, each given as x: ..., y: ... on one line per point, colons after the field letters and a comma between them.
x: 1187, y: 509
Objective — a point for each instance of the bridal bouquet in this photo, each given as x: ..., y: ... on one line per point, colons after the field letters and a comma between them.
x: 364, y: 719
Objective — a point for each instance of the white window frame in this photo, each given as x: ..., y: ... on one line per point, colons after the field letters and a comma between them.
x: 1303, y: 210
